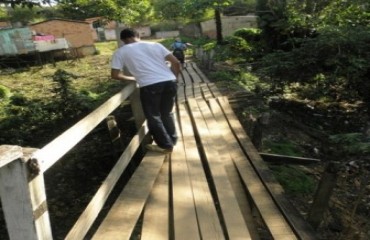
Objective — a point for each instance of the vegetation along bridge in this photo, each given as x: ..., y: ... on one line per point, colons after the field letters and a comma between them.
x: 214, y: 185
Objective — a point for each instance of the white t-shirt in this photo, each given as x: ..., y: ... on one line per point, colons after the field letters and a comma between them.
x: 145, y: 61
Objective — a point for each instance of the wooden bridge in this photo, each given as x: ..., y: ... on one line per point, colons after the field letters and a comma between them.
x: 214, y: 185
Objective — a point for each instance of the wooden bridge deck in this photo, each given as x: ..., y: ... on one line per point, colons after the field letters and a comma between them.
x: 213, y: 186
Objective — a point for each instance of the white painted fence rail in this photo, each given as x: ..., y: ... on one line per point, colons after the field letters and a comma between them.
x: 22, y: 186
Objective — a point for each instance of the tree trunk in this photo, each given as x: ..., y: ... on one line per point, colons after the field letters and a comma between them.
x: 218, y: 25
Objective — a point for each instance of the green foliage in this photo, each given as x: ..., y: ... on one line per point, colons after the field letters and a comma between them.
x: 352, y: 143
x: 346, y: 13
x: 235, y: 48
x: 21, y: 14
x: 252, y: 83
x: 283, y: 148
x: 340, y: 55
x: 209, y: 46
x: 131, y: 12
x: 164, y: 26
x: 19, y: 100
x: 225, y: 79
x: 67, y: 101
x: 26, y: 119
x: 3, y: 14
x: 222, y: 75
x: 248, y: 34
x: 169, y: 9
x: 293, y: 180
x: 45, y: 102
x: 4, y: 92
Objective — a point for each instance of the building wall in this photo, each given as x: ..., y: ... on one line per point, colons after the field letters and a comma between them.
x: 15, y: 41
x: 78, y: 34
x: 229, y: 25
x: 5, y: 24
x: 167, y: 34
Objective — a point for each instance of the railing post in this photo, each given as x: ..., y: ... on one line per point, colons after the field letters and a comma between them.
x: 138, y: 113
x: 23, y: 195
x: 323, y: 194
x: 115, y: 135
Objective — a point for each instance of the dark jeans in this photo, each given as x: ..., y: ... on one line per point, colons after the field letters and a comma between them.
x: 158, y: 101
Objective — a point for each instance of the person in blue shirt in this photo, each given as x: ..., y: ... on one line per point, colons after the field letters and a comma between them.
x: 179, y: 48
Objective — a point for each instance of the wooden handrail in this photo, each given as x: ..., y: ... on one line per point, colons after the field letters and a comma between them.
x: 52, y: 152
x: 9, y: 153
x: 89, y: 215
x: 23, y: 192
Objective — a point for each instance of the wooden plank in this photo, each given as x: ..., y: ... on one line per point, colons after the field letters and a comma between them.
x: 9, y: 153
x: 180, y: 97
x: 184, y: 213
x: 56, y: 149
x: 276, y: 158
x: 122, y: 217
x: 197, y: 78
x: 226, y: 138
x: 200, y: 73
x: 180, y: 78
x: 299, y: 225
x: 157, y: 207
x: 186, y: 77
x: 269, y: 211
x: 233, y: 220
x: 215, y: 92
x: 206, y: 91
x: 209, y: 223
x: 89, y: 215
x: 189, y: 91
x: 197, y: 91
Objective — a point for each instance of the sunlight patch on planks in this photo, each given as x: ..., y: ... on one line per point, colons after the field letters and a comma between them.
x: 125, y: 212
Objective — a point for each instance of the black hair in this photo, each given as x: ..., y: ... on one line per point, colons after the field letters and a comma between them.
x: 128, y: 33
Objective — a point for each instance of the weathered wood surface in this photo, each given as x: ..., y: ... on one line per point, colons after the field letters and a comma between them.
x: 23, y: 197
x: 9, y: 153
x: 89, y: 215
x: 121, y: 220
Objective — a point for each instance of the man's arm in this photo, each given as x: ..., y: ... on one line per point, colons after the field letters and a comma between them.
x: 118, y: 75
x: 175, y: 64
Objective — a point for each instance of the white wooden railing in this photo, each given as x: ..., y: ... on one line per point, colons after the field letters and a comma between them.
x: 22, y: 187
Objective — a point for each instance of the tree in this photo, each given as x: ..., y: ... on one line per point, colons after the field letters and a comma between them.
x: 131, y: 12
x: 328, y: 39
x: 169, y: 9
x: 25, y: 3
x: 203, y: 5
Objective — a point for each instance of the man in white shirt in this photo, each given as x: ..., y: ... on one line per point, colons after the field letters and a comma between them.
x: 146, y: 61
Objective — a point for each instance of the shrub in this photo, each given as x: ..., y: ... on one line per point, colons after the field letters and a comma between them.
x: 18, y: 100
x: 235, y: 48
x: 4, y: 92
x: 248, y: 34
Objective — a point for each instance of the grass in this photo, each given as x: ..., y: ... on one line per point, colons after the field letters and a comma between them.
x: 32, y: 104
x: 293, y: 180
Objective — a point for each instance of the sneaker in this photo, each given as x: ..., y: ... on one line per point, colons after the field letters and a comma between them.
x: 155, y: 148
